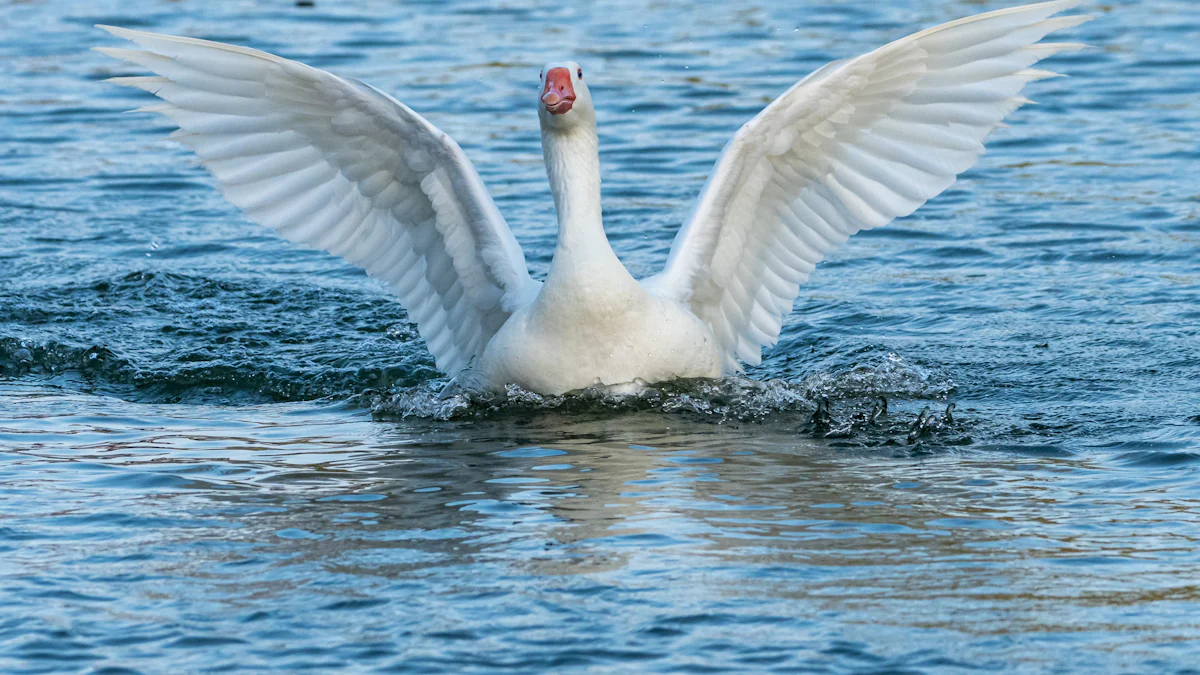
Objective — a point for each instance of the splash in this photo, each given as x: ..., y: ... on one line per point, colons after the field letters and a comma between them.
x: 165, y: 337
x: 893, y: 377
x: 738, y: 398
x: 407, y: 388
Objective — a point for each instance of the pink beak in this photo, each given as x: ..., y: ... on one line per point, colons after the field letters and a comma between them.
x: 559, y: 94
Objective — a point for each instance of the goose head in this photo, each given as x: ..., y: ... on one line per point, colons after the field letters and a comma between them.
x: 564, y: 102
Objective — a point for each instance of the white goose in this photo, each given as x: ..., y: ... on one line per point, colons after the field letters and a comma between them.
x: 340, y: 166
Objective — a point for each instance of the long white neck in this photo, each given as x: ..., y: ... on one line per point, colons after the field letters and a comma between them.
x: 573, y: 165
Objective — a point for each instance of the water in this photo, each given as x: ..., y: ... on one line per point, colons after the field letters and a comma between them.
x: 224, y: 454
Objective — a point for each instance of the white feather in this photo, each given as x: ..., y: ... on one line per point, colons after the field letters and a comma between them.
x: 853, y: 146
x: 343, y: 167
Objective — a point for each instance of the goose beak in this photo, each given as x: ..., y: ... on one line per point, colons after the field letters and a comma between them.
x: 558, y: 95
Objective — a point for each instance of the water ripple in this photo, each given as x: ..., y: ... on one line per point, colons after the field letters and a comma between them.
x: 222, y: 453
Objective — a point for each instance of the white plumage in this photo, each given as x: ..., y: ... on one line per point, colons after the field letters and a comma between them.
x: 342, y: 167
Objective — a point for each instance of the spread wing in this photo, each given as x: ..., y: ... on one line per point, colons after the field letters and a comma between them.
x: 851, y: 147
x: 345, y: 168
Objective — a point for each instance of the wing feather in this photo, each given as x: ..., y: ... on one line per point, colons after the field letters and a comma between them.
x: 853, y: 146
x: 339, y: 166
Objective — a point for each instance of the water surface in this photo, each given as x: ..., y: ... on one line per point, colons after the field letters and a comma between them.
x: 220, y: 453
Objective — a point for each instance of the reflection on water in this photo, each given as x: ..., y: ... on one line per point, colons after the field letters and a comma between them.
x: 309, y: 536
x: 220, y: 453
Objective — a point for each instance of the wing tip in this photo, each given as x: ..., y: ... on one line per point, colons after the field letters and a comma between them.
x: 124, y: 33
x: 112, y: 52
x: 1056, y: 5
x: 1069, y: 21
x: 1046, y: 10
x: 1058, y: 47
x: 150, y: 83
x: 158, y: 42
x: 1037, y: 74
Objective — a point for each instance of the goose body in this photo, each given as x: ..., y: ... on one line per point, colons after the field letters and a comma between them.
x: 586, y: 329
x: 340, y: 166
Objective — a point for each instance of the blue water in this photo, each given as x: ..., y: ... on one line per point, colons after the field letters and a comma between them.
x: 220, y: 453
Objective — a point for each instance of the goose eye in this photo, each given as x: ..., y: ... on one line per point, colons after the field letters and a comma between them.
x: 579, y: 73
x: 541, y: 73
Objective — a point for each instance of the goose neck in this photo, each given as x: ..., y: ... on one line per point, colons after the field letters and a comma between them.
x: 573, y: 166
